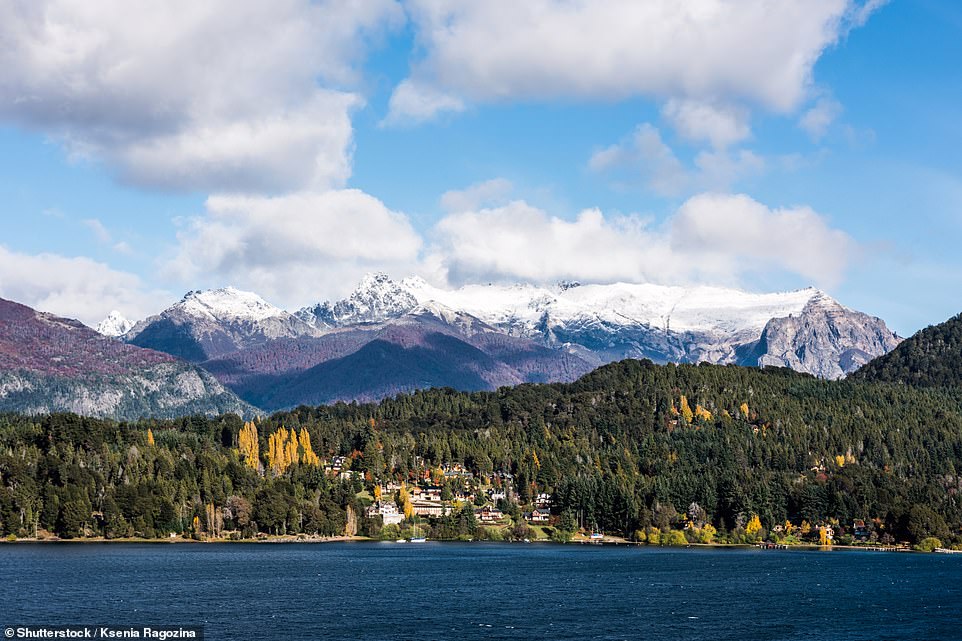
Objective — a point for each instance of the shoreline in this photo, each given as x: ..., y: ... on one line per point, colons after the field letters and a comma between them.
x: 277, y: 540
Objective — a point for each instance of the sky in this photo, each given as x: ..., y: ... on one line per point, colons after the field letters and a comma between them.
x: 289, y: 147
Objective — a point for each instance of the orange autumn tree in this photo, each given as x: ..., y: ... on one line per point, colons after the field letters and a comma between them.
x: 150, y: 436
x: 248, y: 445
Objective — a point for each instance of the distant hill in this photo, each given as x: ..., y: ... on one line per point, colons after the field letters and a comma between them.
x: 930, y: 358
x: 52, y: 364
x: 430, y: 346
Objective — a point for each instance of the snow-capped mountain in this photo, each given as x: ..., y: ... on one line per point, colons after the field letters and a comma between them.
x: 430, y: 346
x: 207, y: 324
x: 114, y: 325
x: 603, y: 323
x: 389, y: 336
x: 377, y: 298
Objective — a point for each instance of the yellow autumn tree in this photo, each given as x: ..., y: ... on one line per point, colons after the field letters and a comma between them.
x: 753, y: 527
x: 282, y: 450
x: 248, y: 445
x: 744, y: 409
x: 702, y: 413
x: 404, y: 501
x: 686, y: 412
x: 823, y: 537
x: 150, y: 437
x: 535, y: 459
x: 840, y: 460
x: 308, y: 457
x: 377, y: 493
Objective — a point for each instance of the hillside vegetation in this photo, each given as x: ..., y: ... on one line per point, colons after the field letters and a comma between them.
x: 930, y: 358
x: 630, y: 448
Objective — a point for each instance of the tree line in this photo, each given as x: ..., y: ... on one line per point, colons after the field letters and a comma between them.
x: 633, y: 448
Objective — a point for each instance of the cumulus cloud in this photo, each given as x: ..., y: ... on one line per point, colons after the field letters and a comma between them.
x: 483, y: 194
x: 75, y: 287
x: 644, y: 156
x: 411, y: 103
x: 743, y: 234
x: 297, y: 248
x: 816, y: 120
x: 701, y: 121
x: 751, y: 51
x: 718, y: 238
x: 212, y: 96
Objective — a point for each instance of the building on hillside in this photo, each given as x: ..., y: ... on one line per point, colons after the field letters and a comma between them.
x: 387, y: 511
x: 538, y: 515
x: 489, y: 514
x: 543, y: 500
x: 427, y: 508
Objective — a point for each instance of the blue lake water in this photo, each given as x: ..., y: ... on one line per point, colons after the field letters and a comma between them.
x: 375, y: 591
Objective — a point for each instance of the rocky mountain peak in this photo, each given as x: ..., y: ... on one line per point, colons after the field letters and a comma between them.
x: 227, y: 303
x: 114, y: 325
x: 377, y: 298
x: 826, y: 339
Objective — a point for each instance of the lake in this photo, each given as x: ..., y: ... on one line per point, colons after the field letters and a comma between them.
x: 375, y: 591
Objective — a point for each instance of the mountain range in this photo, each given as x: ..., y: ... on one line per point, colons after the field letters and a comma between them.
x: 52, y: 364
x: 390, y: 336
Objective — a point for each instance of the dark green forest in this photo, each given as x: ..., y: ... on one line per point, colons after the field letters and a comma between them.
x: 930, y: 358
x: 628, y: 448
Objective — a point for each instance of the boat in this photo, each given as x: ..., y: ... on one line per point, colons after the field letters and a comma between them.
x: 418, y: 539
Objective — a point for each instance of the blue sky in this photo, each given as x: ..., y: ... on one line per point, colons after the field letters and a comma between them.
x: 290, y: 148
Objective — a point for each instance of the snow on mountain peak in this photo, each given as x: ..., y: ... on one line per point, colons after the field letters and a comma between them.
x: 228, y: 303
x: 114, y: 325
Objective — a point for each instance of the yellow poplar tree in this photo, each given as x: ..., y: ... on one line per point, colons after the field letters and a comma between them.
x: 744, y: 409
x: 686, y: 412
x: 404, y: 501
x: 281, y: 450
x: 247, y: 443
x: 150, y: 437
x: 308, y: 457
x: 754, y: 526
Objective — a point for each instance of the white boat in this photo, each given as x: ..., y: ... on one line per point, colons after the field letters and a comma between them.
x: 419, y: 539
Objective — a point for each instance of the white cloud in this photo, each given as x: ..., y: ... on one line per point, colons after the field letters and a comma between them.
x: 718, y: 170
x: 412, y: 103
x: 98, y: 230
x: 644, y: 156
x: 743, y: 234
x: 483, y: 194
x: 75, y: 287
x: 700, y: 121
x: 295, y: 249
x: 816, y: 120
x: 717, y: 238
x: 731, y: 51
x: 215, y: 95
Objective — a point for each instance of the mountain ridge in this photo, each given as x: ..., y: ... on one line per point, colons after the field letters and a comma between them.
x: 53, y: 364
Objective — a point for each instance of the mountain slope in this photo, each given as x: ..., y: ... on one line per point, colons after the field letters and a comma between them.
x: 430, y: 346
x: 51, y: 364
x: 212, y: 323
x: 825, y: 339
x: 930, y: 358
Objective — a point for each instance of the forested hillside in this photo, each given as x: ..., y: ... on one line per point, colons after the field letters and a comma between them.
x: 932, y: 357
x: 631, y: 447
